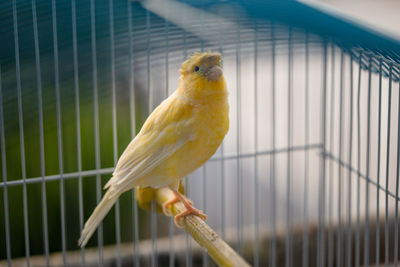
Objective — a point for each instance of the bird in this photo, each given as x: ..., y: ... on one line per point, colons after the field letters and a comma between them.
x: 179, y: 136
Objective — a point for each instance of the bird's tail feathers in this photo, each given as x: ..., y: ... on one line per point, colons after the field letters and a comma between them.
x: 97, y: 216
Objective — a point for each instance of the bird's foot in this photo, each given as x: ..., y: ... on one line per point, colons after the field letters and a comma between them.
x: 188, y: 205
x: 190, y: 210
x: 176, y: 198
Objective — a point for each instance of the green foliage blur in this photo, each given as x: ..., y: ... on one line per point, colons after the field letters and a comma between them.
x: 51, y: 190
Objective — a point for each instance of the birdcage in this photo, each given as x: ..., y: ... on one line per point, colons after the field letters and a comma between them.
x: 308, y: 174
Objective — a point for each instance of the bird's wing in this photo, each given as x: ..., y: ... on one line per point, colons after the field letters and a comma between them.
x: 165, y: 131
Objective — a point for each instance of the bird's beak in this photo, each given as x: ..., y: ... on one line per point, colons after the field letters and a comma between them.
x: 214, y: 70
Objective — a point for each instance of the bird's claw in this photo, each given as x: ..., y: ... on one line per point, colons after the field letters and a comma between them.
x: 165, y: 206
x: 189, y: 211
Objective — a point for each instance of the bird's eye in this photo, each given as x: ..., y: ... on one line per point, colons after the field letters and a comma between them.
x: 196, y: 69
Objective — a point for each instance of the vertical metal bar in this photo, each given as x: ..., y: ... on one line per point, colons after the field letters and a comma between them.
x: 41, y: 133
x: 114, y: 128
x: 154, y: 262
x: 222, y: 161
x: 205, y: 255
x: 272, y: 163
x: 171, y: 242
x: 223, y: 192
x: 306, y: 155
x: 148, y: 29
x: 378, y: 167
x: 166, y: 26
x: 357, y: 256
x: 366, y: 231
x: 288, y: 247
x: 204, y: 178
x: 171, y: 220
x: 78, y: 122
x: 187, y: 185
x: 222, y: 166
x: 136, y: 231
x: 21, y: 133
x: 133, y: 132
x: 340, y: 178
x: 387, y: 168
x: 189, y: 260
x: 131, y: 71
x: 202, y: 26
x: 349, y: 221
x: 153, y: 216
x: 96, y: 124
x: 256, y: 200
x: 204, y: 172
x: 4, y: 169
x: 321, y: 204
x: 331, y: 145
x: 238, y: 143
x: 59, y: 132
x: 396, y: 211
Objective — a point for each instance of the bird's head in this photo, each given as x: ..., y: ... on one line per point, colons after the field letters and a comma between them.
x: 202, y: 74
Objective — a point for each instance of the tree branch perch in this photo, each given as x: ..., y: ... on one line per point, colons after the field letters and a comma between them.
x: 204, y: 235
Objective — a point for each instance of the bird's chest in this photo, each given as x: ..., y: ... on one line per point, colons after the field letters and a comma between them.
x: 211, y: 125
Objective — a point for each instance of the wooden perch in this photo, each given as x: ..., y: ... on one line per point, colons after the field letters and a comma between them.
x: 207, y: 238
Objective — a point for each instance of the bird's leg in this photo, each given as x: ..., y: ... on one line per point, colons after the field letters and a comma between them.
x: 188, y: 205
x: 168, y: 203
x: 177, y: 197
x: 172, y: 201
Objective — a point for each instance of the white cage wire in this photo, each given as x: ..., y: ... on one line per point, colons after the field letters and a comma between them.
x: 307, y: 175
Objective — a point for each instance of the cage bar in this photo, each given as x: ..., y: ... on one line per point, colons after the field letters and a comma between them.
x: 4, y: 173
x: 21, y: 133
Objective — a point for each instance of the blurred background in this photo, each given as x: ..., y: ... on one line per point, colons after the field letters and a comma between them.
x: 308, y: 174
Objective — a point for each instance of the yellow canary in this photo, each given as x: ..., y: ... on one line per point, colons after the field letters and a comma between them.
x: 180, y: 135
